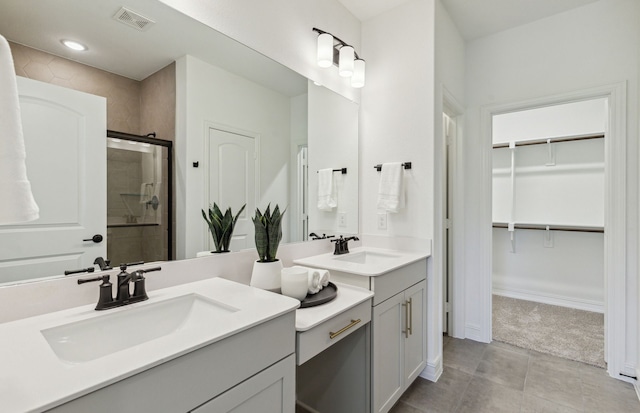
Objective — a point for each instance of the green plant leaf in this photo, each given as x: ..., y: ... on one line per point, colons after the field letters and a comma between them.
x: 221, y: 225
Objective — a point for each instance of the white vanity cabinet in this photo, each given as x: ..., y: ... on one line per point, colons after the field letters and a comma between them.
x: 253, y: 368
x: 398, y: 316
x: 399, y: 345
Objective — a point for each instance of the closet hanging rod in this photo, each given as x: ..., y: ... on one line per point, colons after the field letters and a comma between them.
x: 541, y: 227
x: 552, y: 140
x: 405, y: 165
x: 343, y: 171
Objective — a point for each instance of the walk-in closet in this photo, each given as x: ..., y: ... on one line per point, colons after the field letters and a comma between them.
x: 548, y: 203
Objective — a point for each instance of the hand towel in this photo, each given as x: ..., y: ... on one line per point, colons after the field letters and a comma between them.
x: 314, y: 282
x: 327, y: 199
x: 391, y: 188
x: 19, y: 204
x: 324, y: 277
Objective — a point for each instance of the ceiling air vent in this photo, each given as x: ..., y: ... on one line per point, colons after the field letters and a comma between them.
x: 133, y: 19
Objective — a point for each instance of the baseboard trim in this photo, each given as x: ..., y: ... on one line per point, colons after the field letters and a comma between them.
x: 562, y: 301
x: 473, y: 332
x: 637, y: 387
x: 433, y: 370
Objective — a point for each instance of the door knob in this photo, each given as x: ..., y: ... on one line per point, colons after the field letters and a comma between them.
x: 96, y: 238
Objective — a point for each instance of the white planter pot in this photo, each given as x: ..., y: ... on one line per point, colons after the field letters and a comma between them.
x: 266, y: 275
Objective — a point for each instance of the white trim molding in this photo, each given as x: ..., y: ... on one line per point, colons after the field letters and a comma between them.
x: 433, y: 369
x: 621, y: 325
x: 552, y: 299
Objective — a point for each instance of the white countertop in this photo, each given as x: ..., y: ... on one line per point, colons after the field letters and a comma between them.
x: 348, y: 297
x: 383, y: 261
x: 34, y: 379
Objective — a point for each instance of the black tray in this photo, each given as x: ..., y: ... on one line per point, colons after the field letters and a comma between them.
x: 325, y: 295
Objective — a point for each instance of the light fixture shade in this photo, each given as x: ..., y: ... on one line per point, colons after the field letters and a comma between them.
x: 357, y: 80
x: 325, y: 50
x: 345, y: 69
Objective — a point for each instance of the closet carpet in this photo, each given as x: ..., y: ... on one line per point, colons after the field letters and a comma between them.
x: 564, y: 332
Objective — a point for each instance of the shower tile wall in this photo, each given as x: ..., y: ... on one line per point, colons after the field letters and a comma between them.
x: 158, y: 114
x: 136, y: 107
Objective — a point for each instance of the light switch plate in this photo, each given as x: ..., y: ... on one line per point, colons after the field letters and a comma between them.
x: 342, y: 219
x: 382, y: 220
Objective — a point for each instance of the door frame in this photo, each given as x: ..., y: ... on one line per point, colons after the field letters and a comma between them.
x: 619, y: 340
x: 453, y: 109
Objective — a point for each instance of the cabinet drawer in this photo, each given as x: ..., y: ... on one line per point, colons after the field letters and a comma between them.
x: 322, y: 336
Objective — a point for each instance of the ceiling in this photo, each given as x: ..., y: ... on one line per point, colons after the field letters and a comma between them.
x: 135, y: 54
x: 126, y: 51
x: 476, y: 18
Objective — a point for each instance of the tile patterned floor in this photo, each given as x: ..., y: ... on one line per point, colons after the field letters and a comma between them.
x: 497, y: 377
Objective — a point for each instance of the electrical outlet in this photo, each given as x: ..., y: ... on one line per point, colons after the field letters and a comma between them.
x: 382, y: 220
x: 342, y: 219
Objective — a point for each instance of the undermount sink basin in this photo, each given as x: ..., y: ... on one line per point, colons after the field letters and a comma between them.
x: 367, y: 257
x: 108, y: 333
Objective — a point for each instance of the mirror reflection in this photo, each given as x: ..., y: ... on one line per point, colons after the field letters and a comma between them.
x: 199, y: 90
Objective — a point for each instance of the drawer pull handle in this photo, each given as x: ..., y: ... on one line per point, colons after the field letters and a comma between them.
x: 408, y: 316
x: 333, y: 335
x: 410, y: 327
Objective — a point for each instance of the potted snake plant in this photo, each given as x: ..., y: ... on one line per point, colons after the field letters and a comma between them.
x: 268, y: 234
x: 221, y: 226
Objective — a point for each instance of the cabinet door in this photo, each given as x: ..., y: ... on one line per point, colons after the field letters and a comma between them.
x: 415, y: 345
x: 388, y: 348
x: 270, y: 391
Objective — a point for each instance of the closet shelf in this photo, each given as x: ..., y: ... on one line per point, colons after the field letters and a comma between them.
x: 575, y: 167
x: 552, y: 140
x: 541, y: 227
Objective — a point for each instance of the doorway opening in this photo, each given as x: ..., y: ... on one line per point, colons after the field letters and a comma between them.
x: 548, y: 201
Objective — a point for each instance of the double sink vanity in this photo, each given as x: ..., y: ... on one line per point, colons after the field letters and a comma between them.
x: 218, y: 345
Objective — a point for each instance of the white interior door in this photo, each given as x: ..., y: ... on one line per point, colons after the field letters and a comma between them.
x: 232, y: 181
x: 65, y: 141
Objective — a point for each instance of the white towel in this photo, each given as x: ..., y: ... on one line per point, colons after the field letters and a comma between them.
x: 19, y: 204
x: 315, y: 284
x: 391, y: 188
x: 314, y: 280
x: 324, y: 277
x: 327, y: 199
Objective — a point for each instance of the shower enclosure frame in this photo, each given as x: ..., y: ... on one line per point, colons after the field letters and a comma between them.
x: 152, y: 140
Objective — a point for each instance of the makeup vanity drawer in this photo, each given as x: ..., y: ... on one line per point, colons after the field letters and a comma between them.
x: 315, y: 340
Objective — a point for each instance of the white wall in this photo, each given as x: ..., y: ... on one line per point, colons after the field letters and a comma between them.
x: 209, y: 94
x: 333, y: 143
x: 584, y: 48
x: 570, y: 119
x: 449, y: 95
x: 282, y: 30
x: 397, y: 115
x: 397, y: 125
x: 569, y: 274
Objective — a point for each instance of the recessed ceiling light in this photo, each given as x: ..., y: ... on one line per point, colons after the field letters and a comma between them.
x: 116, y: 140
x: 74, y: 45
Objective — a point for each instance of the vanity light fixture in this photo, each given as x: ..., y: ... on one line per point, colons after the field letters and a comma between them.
x: 73, y: 45
x: 332, y: 50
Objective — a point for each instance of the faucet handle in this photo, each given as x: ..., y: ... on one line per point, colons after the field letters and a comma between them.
x: 105, y: 299
x: 139, y: 287
x: 103, y: 278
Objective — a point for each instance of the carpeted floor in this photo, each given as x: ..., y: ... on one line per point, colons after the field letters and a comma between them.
x: 564, y: 332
